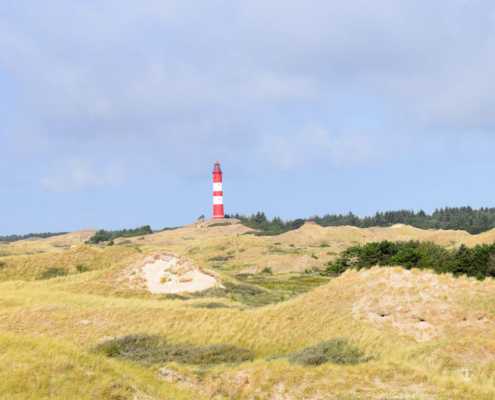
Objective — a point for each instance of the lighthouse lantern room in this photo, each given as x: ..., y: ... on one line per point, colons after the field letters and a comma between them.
x: 217, y: 192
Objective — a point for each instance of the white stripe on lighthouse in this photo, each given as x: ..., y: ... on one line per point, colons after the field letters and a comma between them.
x: 218, y: 200
x: 217, y: 187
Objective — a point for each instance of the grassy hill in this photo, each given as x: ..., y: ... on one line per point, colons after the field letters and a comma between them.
x: 276, y: 329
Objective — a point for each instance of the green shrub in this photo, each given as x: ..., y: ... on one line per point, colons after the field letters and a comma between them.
x: 335, y: 351
x: 82, y: 268
x: 267, y: 270
x: 2, y: 264
x: 153, y: 349
x: 324, y: 245
x: 314, y: 256
x: 480, y: 276
x: 51, y: 273
x: 111, y: 243
x: 476, y: 261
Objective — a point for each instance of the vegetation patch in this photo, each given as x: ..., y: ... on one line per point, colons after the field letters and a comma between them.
x: 105, y: 236
x: 173, y: 296
x: 335, y: 351
x: 44, y: 235
x: 267, y: 270
x: 221, y: 258
x: 153, y: 349
x: 478, y: 261
x: 82, y: 268
x: 218, y: 224
x: 210, y: 305
x: 51, y: 273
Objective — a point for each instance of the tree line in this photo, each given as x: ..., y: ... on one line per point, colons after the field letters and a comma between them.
x: 455, y: 218
x: 44, y: 235
x: 107, y: 236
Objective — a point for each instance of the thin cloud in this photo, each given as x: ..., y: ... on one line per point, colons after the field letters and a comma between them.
x: 75, y: 175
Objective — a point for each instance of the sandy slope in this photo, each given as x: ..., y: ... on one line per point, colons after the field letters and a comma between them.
x: 165, y: 272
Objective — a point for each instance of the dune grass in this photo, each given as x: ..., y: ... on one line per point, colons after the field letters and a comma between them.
x: 38, y: 368
x: 380, y: 332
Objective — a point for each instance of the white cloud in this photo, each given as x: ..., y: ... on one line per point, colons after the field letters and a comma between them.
x: 315, y: 144
x: 183, y: 83
x: 77, y: 174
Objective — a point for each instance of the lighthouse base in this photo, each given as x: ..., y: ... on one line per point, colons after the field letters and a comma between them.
x: 218, y: 217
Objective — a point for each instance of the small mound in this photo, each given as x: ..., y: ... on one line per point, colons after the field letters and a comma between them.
x: 417, y: 304
x: 50, y: 265
x: 163, y: 272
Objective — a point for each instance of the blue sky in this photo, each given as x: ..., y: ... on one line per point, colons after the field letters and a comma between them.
x: 112, y: 113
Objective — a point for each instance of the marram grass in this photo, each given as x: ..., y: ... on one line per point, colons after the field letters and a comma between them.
x: 412, y: 332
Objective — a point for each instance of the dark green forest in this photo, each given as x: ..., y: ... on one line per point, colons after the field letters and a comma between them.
x: 455, y: 218
x: 44, y: 235
x: 478, y: 261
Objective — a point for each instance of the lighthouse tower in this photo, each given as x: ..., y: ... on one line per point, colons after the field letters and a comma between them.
x: 217, y: 192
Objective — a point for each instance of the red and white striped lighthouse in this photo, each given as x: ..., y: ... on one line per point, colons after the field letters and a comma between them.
x: 217, y: 192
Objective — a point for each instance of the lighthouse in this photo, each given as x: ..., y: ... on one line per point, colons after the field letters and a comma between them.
x: 217, y: 192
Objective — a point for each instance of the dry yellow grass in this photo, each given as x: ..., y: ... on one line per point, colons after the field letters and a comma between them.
x: 29, y: 267
x: 77, y: 237
x: 460, y: 331
x: 421, y: 328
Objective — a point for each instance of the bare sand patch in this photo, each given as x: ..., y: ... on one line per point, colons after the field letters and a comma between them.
x: 164, y: 272
x: 166, y: 277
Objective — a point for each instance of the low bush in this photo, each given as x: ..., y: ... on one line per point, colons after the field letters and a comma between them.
x: 335, y: 351
x: 82, y: 268
x: 210, y: 305
x: 267, y: 270
x: 153, y: 349
x: 219, y: 224
x: 51, y: 273
x: 173, y: 296
x: 221, y: 258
